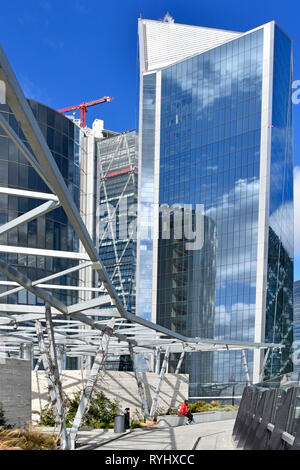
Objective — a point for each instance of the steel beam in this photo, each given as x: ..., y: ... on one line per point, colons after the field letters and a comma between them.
x: 23, y: 280
x: 180, y: 362
x: 55, y: 378
x: 27, y: 193
x: 139, y: 382
x: 42, y: 252
x: 161, y: 378
x: 87, y: 392
x: 28, y: 216
x: 49, y: 375
x: 261, y: 374
x: 49, y: 278
x: 246, y: 367
x: 157, y: 365
x: 81, y: 306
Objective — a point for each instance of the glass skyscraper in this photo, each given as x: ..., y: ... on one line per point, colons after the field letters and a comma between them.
x: 216, y: 128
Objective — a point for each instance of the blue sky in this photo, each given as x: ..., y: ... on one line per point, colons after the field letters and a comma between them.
x: 68, y: 51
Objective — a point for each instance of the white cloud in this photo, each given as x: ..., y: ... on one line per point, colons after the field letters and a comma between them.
x: 235, y: 322
x: 238, y: 261
x: 32, y: 91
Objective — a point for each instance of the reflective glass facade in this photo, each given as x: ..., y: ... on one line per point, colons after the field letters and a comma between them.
x: 146, y: 199
x: 279, y: 314
x: 210, y: 147
x: 51, y: 231
x: 297, y: 319
x: 211, y: 151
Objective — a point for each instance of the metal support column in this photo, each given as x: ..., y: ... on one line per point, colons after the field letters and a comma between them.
x: 261, y: 374
x: 246, y: 367
x: 147, y: 359
x: 60, y: 357
x: 21, y: 352
x: 180, y: 362
x: 56, y: 379
x: 28, y: 352
x: 157, y: 367
x: 36, y: 368
x: 49, y: 374
x: 87, y: 392
x: 161, y: 378
x: 139, y: 382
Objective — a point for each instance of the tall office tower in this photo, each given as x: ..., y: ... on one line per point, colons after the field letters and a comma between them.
x: 216, y: 128
x: 117, y: 207
x: 116, y: 202
x: 297, y: 321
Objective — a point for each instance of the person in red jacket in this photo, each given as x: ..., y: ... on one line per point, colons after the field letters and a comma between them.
x: 184, y: 411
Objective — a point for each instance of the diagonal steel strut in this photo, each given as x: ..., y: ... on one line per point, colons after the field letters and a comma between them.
x: 97, y: 366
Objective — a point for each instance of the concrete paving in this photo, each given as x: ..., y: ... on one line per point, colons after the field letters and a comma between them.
x: 215, y: 435
x: 204, y: 436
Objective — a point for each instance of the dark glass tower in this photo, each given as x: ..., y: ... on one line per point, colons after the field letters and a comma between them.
x: 216, y: 129
x: 51, y: 231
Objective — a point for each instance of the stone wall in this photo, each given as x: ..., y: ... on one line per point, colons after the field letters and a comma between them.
x: 121, y: 386
x: 15, y: 390
x: 204, y: 417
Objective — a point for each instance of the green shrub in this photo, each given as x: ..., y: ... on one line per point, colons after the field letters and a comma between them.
x: 3, y: 423
x: 47, y: 416
x: 172, y: 411
x: 199, y: 406
x: 2, y: 417
x: 202, y: 406
x: 100, y: 413
x: 135, y: 424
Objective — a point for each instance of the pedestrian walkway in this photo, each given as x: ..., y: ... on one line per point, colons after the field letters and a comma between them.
x: 205, y: 436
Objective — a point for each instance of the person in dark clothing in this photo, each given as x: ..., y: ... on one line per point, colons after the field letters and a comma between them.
x: 184, y: 411
x: 127, y: 417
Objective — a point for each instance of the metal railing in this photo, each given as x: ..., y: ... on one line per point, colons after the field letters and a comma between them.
x: 268, y: 416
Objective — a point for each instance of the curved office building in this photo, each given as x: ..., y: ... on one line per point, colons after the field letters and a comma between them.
x: 51, y: 231
x: 215, y: 128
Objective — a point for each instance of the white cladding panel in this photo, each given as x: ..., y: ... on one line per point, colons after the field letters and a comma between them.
x: 166, y: 43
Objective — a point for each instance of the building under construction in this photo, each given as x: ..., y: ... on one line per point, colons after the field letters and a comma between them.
x: 117, y: 206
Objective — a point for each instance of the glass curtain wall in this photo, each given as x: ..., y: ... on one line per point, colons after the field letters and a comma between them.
x: 210, y: 154
x: 51, y: 231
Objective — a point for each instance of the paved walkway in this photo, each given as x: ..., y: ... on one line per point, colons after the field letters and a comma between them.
x: 205, y: 436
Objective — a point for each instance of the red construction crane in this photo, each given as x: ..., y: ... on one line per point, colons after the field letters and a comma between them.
x: 83, y: 106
